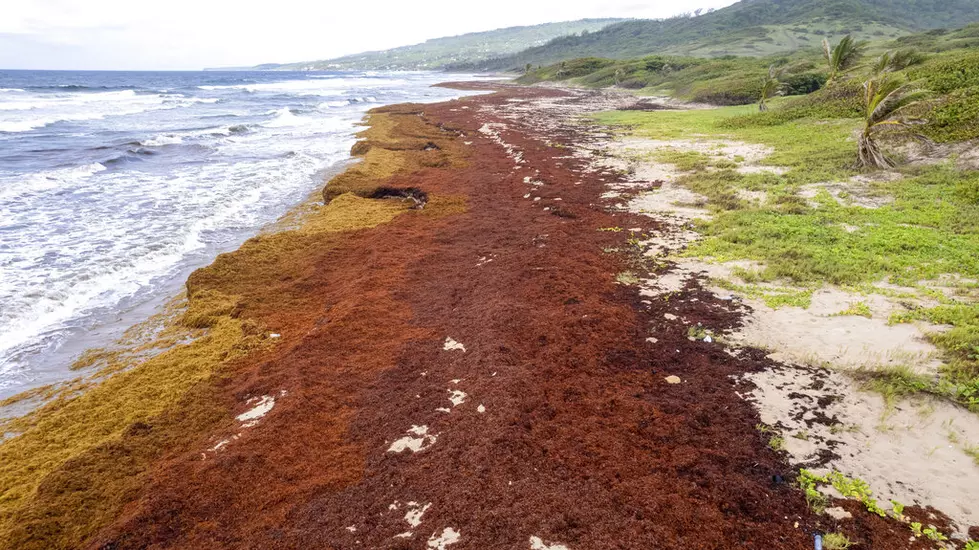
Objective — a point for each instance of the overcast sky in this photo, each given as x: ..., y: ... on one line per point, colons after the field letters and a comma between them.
x: 193, y: 34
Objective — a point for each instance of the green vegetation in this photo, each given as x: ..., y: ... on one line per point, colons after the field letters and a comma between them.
x: 814, y: 217
x: 771, y: 87
x: 836, y: 541
x: 858, y: 309
x: 808, y: 482
x: 945, y: 63
x: 843, y: 57
x: 886, y: 97
x: 973, y: 451
x: 758, y: 28
x: 437, y: 53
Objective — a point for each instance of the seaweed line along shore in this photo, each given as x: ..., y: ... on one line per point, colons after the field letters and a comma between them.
x: 463, y: 344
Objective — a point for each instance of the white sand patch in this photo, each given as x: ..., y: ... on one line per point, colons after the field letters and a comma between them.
x: 452, y: 345
x: 252, y: 416
x: 673, y: 380
x: 669, y: 282
x: 747, y: 156
x: 536, y: 543
x: 819, y: 335
x: 670, y: 201
x: 414, y: 515
x: 405, y: 535
x: 912, y: 453
x: 443, y: 410
x: 457, y: 397
x: 855, y: 192
x: 481, y: 409
x: 441, y: 541
x: 669, y: 243
x: 352, y: 528
x: 418, y: 441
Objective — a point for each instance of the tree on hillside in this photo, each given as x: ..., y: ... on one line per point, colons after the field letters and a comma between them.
x: 770, y: 88
x: 843, y: 57
x: 886, y: 96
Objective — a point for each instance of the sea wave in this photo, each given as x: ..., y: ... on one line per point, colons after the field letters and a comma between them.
x: 285, y: 117
x: 161, y: 140
x: 40, y: 111
x: 58, y: 178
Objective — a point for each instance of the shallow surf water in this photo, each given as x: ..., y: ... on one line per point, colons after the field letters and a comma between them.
x: 115, y: 186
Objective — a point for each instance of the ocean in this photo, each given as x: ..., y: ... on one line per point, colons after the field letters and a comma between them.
x: 114, y: 186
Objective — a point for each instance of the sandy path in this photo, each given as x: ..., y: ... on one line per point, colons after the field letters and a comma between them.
x: 480, y: 380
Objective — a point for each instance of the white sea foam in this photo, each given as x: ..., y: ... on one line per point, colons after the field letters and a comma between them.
x: 79, y: 244
x: 158, y: 141
x: 40, y: 110
x: 284, y: 117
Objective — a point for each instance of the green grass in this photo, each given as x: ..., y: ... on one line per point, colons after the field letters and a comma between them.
x: 973, y: 451
x: 857, y: 309
x: 926, y: 225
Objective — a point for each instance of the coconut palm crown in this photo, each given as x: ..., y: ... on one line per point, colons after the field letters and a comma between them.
x: 843, y: 57
x: 770, y: 88
x: 886, y: 96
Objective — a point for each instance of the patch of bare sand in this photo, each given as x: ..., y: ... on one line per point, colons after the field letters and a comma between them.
x: 912, y: 452
x: 747, y: 157
x: 822, y: 334
x: 858, y: 191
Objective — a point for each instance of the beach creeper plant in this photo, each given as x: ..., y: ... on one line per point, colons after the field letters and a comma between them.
x: 843, y: 57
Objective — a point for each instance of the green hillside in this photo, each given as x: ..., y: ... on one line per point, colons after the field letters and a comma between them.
x: 467, y: 48
x: 748, y: 28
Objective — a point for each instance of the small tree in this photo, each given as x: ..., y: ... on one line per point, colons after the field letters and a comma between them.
x: 527, y: 68
x: 843, y: 57
x: 885, y: 97
x: 771, y: 87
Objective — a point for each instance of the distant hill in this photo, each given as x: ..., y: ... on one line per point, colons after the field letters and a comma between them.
x: 750, y: 27
x: 467, y: 48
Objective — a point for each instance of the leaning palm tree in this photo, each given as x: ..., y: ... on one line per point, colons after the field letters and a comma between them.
x: 770, y: 88
x: 886, y: 96
x: 896, y: 61
x: 843, y: 57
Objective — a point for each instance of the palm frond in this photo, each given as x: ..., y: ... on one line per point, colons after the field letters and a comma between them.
x: 902, y: 59
x: 844, y: 56
x: 891, y: 95
x: 883, y: 64
x: 886, y: 96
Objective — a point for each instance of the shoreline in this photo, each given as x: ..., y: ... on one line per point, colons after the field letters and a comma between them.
x: 446, y: 352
